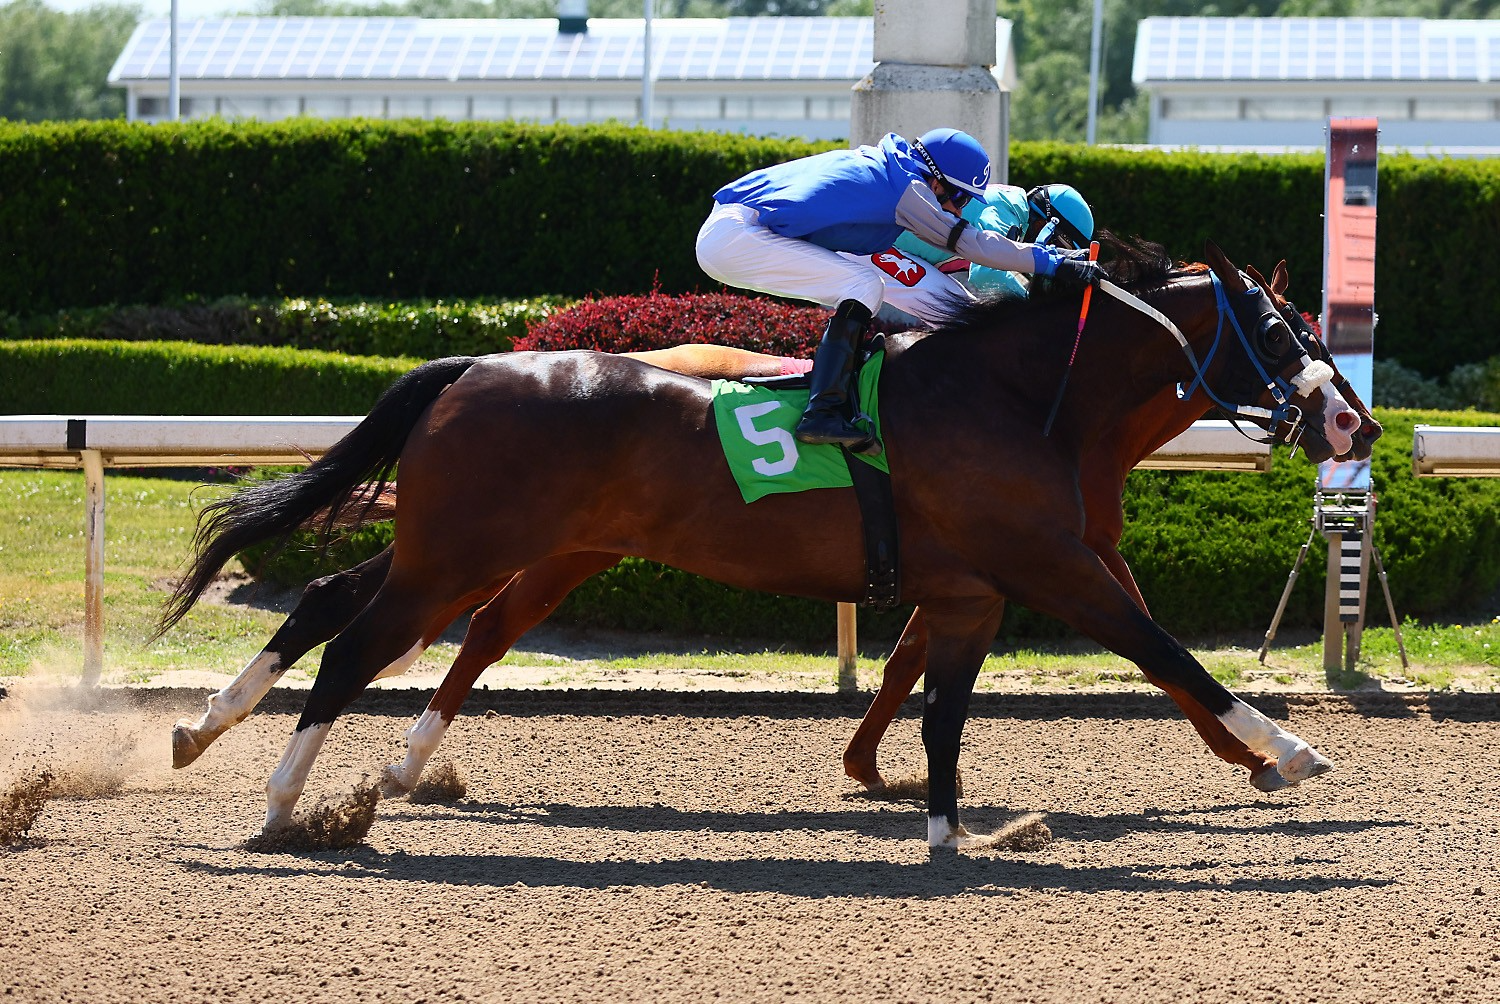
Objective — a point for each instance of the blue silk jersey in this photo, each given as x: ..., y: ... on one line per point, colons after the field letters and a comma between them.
x: 843, y: 200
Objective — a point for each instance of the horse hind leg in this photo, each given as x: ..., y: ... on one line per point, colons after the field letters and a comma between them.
x: 903, y: 668
x: 326, y: 607
x: 524, y: 602
x: 383, y: 640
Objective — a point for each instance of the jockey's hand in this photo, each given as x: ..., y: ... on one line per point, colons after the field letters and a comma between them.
x: 1078, y: 272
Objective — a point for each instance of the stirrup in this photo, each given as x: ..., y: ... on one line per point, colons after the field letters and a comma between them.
x: 870, y: 446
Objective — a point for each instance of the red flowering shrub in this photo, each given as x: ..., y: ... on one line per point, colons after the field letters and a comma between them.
x: 1312, y: 320
x: 659, y: 321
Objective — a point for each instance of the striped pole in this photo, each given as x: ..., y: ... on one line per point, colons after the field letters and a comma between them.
x: 1351, y: 576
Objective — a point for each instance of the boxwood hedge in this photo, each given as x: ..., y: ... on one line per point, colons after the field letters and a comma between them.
x: 427, y: 330
x: 92, y: 377
x: 115, y: 212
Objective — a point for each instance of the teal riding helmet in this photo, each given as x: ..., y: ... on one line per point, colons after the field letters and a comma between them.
x: 1058, y: 216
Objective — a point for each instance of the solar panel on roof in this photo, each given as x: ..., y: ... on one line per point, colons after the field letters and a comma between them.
x: 335, y: 47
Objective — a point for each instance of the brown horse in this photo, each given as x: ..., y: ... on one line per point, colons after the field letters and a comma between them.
x: 330, y: 603
x: 991, y: 507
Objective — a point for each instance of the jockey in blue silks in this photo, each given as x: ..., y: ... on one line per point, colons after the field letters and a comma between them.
x: 781, y: 229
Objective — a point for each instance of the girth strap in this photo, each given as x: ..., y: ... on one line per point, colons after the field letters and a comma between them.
x: 877, y: 509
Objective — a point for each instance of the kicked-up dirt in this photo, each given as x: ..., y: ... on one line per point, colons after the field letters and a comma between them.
x: 617, y: 846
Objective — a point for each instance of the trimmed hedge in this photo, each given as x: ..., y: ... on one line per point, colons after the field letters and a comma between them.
x: 115, y: 212
x: 656, y: 321
x: 426, y: 330
x: 93, y: 377
x: 1262, y: 208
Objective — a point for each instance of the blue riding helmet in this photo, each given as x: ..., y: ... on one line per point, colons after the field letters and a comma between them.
x: 956, y: 158
x: 1058, y: 216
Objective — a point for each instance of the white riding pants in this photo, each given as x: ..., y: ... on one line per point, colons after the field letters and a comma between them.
x: 736, y: 250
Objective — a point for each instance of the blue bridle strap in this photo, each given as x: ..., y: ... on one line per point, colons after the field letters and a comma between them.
x: 1281, y: 390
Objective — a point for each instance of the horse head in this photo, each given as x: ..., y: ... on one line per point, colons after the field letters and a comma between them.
x: 1299, y: 400
x: 1369, y: 429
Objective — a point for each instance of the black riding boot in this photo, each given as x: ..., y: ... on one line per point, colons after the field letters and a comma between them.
x: 829, y: 412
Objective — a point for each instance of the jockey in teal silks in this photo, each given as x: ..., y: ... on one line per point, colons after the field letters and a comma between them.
x: 782, y: 229
x: 1048, y: 214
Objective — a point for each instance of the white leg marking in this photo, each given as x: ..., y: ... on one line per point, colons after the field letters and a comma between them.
x: 943, y: 832
x: 421, y: 742
x: 1296, y: 760
x: 226, y: 708
x: 402, y: 664
x: 290, y: 776
x: 231, y: 705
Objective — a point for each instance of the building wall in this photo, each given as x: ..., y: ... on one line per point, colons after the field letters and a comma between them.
x: 781, y: 112
x: 1275, y: 115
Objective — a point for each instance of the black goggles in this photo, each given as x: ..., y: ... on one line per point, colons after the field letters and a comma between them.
x: 958, y: 196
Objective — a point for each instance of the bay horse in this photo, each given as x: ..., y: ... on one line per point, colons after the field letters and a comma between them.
x: 612, y: 456
x: 328, y: 604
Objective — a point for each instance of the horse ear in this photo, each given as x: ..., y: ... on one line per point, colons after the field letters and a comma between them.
x: 1225, y: 269
x: 1280, y: 278
x: 1254, y: 273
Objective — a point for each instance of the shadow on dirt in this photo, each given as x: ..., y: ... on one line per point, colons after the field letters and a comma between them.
x: 941, y: 875
x: 894, y: 823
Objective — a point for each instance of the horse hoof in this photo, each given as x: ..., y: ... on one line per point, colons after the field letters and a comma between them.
x: 1269, y: 779
x: 1306, y: 762
x: 185, y: 746
x: 391, y: 784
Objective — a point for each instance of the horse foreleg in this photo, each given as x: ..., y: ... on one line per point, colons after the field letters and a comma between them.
x: 326, y: 608
x: 1221, y: 741
x: 902, y: 670
x: 1094, y: 603
x: 524, y: 602
x: 959, y: 635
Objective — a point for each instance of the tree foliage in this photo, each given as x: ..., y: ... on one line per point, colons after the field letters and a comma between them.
x: 55, y: 65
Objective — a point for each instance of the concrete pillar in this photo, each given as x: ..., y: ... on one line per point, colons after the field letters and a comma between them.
x: 933, y: 67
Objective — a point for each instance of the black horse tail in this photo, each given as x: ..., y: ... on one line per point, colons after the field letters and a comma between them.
x: 274, y: 509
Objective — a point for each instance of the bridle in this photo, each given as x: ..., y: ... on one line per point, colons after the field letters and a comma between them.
x: 1311, y: 373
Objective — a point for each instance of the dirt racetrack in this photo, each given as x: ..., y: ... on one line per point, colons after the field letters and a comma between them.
x: 681, y: 847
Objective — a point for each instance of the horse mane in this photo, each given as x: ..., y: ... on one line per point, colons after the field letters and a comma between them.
x: 1132, y: 263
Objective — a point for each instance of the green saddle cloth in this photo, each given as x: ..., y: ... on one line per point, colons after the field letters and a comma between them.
x: 755, y: 428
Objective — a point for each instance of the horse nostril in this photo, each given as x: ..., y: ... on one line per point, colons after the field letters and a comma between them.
x: 1346, y: 420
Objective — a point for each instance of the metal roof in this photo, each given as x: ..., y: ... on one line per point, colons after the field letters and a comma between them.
x: 406, y: 48
x: 1303, y: 48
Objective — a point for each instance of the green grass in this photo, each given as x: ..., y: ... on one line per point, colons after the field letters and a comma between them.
x: 148, y: 525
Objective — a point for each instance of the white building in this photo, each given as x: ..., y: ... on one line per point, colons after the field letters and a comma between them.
x: 1273, y: 82
x: 786, y: 76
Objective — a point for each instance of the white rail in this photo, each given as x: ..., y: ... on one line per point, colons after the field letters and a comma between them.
x: 1455, y: 452
x: 96, y: 442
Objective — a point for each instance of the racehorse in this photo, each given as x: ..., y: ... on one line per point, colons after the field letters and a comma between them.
x: 330, y: 603
x: 990, y: 513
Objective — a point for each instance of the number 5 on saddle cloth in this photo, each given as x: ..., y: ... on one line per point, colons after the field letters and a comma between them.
x: 755, y: 419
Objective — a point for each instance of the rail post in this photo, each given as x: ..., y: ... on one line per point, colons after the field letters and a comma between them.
x: 93, y: 568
